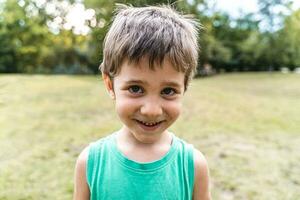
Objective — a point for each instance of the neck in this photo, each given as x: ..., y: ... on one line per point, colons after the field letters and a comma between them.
x: 135, y: 150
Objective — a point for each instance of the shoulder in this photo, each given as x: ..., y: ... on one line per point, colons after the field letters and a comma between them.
x: 201, y: 184
x: 80, y: 167
x: 200, y: 162
x: 82, y: 158
x: 81, y: 161
x: 81, y: 189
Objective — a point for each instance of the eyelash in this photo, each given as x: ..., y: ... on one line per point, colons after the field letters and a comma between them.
x: 174, y: 91
x: 141, y: 90
x: 130, y: 89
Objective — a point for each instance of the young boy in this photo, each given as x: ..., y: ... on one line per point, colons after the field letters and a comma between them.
x: 150, y: 54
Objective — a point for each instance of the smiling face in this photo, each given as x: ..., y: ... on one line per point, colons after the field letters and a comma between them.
x: 147, y: 101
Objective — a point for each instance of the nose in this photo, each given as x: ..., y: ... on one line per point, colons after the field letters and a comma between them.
x: 151, y: 109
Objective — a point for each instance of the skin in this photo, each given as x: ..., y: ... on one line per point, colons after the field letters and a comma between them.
x: 147, y: 102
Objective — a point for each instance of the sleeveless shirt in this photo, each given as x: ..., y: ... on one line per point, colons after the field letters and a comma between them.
x: 112, y: 176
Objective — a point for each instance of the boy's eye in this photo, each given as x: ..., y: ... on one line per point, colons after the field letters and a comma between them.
x: 168, y: 91
x: 135, y: 89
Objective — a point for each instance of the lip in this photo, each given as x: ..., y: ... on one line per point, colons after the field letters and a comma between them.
x: 149, y: 128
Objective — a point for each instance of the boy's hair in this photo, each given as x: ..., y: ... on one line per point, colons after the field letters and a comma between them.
x: 155, y: 32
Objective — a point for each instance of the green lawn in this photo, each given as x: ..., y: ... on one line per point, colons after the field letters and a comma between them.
x: 247, y: 125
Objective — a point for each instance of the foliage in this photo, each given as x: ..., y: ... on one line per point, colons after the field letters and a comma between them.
x: 22, y: 37
x: 30, y: 44
x: 288, y: 42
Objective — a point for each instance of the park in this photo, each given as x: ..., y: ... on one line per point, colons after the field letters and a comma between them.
x: 242, y: 109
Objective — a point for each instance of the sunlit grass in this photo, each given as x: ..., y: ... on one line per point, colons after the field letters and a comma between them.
x: 247, y: 125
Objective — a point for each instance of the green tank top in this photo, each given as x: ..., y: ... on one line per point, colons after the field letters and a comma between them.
x: 112, y: 176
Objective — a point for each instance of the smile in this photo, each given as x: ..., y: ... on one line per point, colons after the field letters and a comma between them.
x: 149, y: 124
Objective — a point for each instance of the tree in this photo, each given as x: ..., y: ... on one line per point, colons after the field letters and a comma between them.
x: 22, y: 36
x: 288, y: 43
x: 271, y: 15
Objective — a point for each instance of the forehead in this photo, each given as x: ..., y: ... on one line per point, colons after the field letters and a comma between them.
x: 164, y: 72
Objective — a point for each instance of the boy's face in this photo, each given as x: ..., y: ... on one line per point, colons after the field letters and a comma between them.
x: 147, y: 101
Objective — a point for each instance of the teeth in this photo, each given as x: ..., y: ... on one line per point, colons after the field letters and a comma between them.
x: 148, y: 123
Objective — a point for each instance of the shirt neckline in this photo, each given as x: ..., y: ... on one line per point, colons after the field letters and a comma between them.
x: 144, y: 166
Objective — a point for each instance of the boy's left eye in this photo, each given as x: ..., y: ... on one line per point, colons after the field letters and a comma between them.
x: 168, y: 91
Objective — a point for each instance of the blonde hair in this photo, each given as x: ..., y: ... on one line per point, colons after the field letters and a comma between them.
x: 155, y: 31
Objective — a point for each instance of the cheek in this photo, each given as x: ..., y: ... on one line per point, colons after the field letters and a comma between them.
x: 174, y: 109
x: 125, y: 107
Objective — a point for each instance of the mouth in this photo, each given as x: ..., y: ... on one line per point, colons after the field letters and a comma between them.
x: 149, y: 125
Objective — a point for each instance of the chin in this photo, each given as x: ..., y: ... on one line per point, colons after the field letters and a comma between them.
x: 146, y: 138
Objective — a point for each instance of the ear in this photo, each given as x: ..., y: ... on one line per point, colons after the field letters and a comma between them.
x: 109, y: 85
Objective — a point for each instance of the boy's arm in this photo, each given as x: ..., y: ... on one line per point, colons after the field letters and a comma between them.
x: 81, y: 189
x: 201, y: 185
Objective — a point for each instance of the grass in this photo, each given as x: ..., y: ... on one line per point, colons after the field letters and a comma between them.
x: 247, y: 125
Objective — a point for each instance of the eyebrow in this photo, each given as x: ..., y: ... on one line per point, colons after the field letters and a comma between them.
x: 171, y: 83
x: 168, y: 83
x: 136, y: 82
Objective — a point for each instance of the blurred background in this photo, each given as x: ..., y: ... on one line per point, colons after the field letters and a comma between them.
x: 55, y: 36
x: 242, y: 110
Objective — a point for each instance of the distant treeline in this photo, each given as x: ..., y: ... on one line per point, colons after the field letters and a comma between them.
x: 36, y: 37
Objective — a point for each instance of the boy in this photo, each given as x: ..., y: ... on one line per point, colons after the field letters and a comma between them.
x: 150, y: 54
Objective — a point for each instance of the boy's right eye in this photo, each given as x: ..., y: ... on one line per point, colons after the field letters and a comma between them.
x: 135, y: 89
